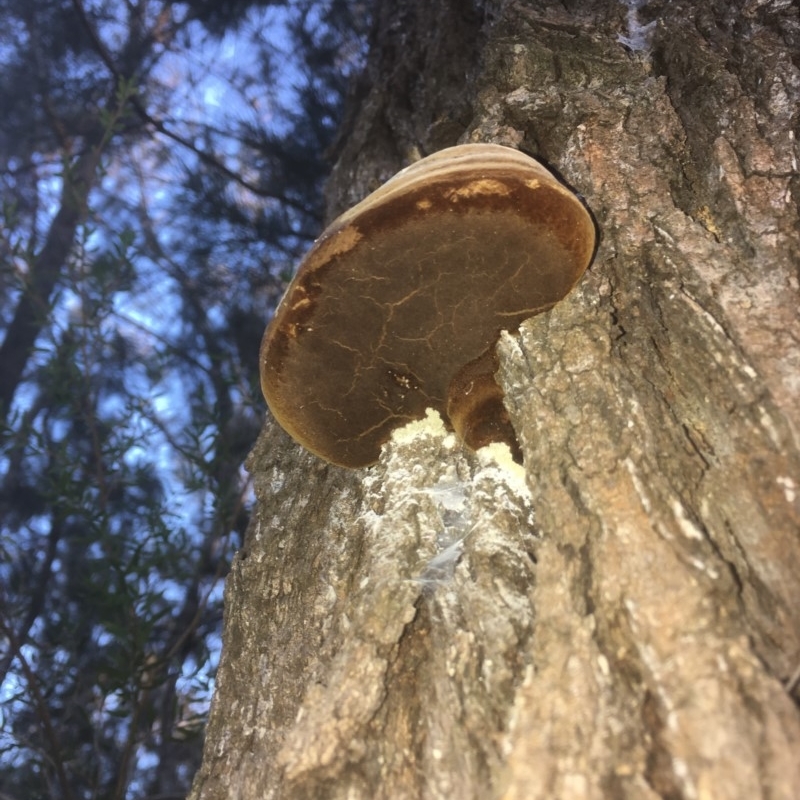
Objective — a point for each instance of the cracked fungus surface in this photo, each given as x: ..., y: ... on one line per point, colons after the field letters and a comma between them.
x: 391, y: 303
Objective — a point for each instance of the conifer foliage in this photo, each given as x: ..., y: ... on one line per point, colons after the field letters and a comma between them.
x: 161, y: 167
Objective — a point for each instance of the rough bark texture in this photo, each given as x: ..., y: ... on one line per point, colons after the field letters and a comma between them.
x: 638, y: 638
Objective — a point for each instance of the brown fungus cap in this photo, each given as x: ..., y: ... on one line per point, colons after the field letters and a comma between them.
x: 398, y: 305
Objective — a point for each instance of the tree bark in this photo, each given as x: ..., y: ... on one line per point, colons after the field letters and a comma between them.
x: 625, y: 622
x: 34, y: 305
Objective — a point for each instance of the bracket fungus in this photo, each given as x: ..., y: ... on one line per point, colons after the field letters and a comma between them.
x: 399, y: 304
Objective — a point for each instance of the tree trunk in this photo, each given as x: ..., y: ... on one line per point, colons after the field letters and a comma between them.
x: 34, y: 303
x: 627, y: 624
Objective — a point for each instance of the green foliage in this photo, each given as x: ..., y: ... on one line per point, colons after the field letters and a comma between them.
x: 145, y: 236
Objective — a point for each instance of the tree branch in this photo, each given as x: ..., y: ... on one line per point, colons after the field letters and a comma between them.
x: 34, y: 303
x: 41, y: 709
x: 161, y: 127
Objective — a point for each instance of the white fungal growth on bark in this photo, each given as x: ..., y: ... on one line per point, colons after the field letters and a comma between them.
x: 435, y: 493
x: 638, y: 36
x: 450, y: 497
